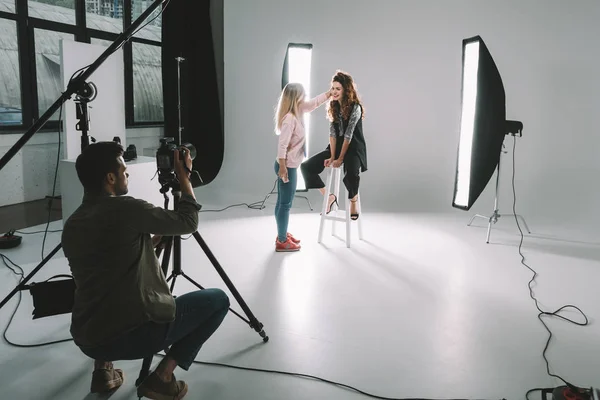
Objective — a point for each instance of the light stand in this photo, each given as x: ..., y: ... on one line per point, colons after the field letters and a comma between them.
x: 514, y: 128
x: 179, y: 60
x: 76, y: 84
x: 85, y: 94
x: 175, y: 242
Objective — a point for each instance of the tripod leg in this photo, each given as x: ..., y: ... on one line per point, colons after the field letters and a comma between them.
x: 199, y: 286
x: 31, y: 274
x: 254, y: 323
x: 524, y: 223
x: 145, y: 371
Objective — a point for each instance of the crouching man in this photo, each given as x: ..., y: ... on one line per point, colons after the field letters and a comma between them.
x: 123, y: 307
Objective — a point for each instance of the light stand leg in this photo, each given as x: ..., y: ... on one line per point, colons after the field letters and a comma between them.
x: 308, y: 201
x: 492, y: 219
x: 524, y: 223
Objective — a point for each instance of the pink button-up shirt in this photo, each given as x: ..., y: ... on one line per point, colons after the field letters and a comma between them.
x: 292, y: 137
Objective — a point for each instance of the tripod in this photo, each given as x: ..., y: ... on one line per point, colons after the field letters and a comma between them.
x: 174, y: 242
x: 496, y: 215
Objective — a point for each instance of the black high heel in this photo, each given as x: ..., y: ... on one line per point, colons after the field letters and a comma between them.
x: 353, y: 217
x: 332, y: 203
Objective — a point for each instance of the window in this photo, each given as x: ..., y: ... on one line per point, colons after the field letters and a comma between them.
x: 155, y: 19
x: 30, y: 76
x: 62, y: 11
x: 10, y: 89
x: 47, y: 66
x: 147, y: 83
x: 297, y: 68
x: 7, y: 6
x: 104, y: 15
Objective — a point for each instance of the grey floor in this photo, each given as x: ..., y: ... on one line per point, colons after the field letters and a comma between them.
x: 423, y: 307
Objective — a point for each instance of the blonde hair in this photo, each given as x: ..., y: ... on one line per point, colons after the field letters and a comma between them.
x: 288, y: 103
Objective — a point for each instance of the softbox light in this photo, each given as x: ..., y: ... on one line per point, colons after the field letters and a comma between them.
x: 482, y: 123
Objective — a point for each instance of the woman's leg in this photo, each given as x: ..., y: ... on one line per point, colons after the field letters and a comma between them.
x: 311, y: 169
x: 352, y: 179
x: 285, y: 198
x: 278, y: 203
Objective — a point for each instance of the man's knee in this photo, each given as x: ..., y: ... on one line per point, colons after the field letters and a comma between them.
x: 220, y: 298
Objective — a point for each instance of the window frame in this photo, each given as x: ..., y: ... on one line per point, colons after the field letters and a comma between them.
x: 26, y: 27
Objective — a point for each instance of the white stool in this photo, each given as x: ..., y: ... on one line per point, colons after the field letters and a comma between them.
x: 335, y: 178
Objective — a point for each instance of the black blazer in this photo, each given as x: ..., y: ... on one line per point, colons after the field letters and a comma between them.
x: 357, y: 145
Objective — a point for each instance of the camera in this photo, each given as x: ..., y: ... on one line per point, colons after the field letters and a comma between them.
x: 165, y: 158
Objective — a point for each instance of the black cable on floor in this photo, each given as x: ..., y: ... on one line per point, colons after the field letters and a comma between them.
x: 21, y: 274
x: 542, y: 313
x: 258, y: 205
x: 7, y: 261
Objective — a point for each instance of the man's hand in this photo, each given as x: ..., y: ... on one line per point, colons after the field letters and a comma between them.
x: 156, y: 241
x: 180, y: 169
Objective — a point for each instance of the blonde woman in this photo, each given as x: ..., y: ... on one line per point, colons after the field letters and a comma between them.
x: 289, y: 126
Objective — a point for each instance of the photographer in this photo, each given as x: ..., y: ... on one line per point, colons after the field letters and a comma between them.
x: 123, y: 308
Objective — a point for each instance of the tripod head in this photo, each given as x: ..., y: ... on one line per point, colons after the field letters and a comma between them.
x: 173, y: 185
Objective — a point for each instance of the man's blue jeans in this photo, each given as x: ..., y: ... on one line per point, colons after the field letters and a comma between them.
x: 198, y: 315
x: 285, y: 197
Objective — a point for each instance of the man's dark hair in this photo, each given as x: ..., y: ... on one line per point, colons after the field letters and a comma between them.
x: 95, y: 162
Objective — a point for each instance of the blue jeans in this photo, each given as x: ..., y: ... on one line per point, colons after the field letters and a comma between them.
x: 198, y: 315
x: 285, y: 198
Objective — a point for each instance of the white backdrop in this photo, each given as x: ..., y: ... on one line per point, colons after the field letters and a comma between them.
x: 107, y: 111
x: 406, y: 59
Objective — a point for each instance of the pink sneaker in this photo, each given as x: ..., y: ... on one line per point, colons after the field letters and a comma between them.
x: 289, y: 236
x: 288, y: 245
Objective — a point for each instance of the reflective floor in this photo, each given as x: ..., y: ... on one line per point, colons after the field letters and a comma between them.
x: 422, y: 307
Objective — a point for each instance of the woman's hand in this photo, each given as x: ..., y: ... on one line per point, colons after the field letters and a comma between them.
x: 328, y: 162
x: 337, y: 163
x: 283, y: 174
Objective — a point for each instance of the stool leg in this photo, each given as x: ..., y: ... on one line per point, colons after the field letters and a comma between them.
x: 324, y: 207
x: 359, y: 208
x: 348, y: 220
x: 336, y: 191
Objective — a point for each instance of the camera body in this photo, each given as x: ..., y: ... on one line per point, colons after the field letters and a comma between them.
x: 165, y: 158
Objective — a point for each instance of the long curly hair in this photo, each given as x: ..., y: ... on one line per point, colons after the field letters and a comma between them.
x: 349, y: 98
